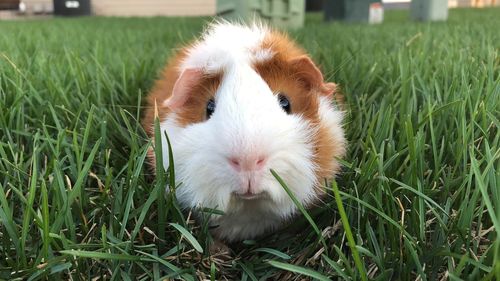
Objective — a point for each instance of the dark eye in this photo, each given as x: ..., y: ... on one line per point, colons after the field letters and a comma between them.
x: 210, y: 107
x: 284, y: 103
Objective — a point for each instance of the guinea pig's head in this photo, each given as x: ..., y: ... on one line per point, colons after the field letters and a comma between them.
x: 240, y: 102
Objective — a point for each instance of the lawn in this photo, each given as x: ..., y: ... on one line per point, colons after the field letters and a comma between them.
x: 420, y: 183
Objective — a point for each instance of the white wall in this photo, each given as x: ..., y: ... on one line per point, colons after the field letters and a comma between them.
x: 136, y: 7
x: 153, y: 7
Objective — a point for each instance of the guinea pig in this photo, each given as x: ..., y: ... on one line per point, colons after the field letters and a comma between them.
x: 240, y: 101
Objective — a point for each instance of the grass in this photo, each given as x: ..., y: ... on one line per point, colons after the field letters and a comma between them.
x: 419, y: 190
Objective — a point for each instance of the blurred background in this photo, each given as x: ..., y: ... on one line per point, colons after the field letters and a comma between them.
x: 288, y: 13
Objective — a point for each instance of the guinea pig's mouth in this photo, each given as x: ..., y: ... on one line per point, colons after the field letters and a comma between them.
x: 250, y: 196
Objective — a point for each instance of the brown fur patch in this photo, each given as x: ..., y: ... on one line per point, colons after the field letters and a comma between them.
x: 283, y: 79
x: 161, y: 91
x: 192, y: 111
x: 300, y: 87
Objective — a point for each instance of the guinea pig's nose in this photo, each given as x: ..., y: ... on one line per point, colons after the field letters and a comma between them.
x: 249, y: 163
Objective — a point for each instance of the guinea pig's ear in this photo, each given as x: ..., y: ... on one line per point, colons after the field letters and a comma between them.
x: 180, y: 93
x: 306, y: 67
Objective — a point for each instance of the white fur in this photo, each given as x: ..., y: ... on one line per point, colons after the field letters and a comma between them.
x: 332, y: 119
x: 247, y: 119
x: 225, y: 43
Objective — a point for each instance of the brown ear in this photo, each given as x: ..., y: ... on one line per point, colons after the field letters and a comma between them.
x: 305, y: 66
x: 180, y: 93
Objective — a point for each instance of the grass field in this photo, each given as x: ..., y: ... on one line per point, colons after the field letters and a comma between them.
x: 420, y: 186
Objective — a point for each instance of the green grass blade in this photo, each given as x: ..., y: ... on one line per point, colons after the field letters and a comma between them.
x: 335, y: 267
x: 484, y: 192
x: 46, y: 222
x: 189, y: 237
x: 273, y: 252
x: 348, y: 232
x: 160, y: 180
x: 29, y: 204
x: 145, y: 208
x: 175, y: 269
x: 8, y: 222
x: 75, y: 192
x: 100, y: 255
x: 247, y: 271
x: 299, y: 270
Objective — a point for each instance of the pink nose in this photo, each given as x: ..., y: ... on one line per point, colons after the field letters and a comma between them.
x: 247, y: 163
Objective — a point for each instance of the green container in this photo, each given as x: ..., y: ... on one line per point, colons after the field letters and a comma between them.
x: 348, y: 10
x: 282, y: 13
x: 429, y: 10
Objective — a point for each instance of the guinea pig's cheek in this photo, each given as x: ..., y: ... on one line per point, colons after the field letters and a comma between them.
x: 200, y: 185
x: 293, y: 161
x: 192, y: 152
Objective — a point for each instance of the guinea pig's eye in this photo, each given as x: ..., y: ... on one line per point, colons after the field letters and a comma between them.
x: 210, y: 107
x: 284, y: 103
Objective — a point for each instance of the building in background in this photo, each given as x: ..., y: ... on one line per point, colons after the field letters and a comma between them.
x: 174, y: 7
x: 9, y: 4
